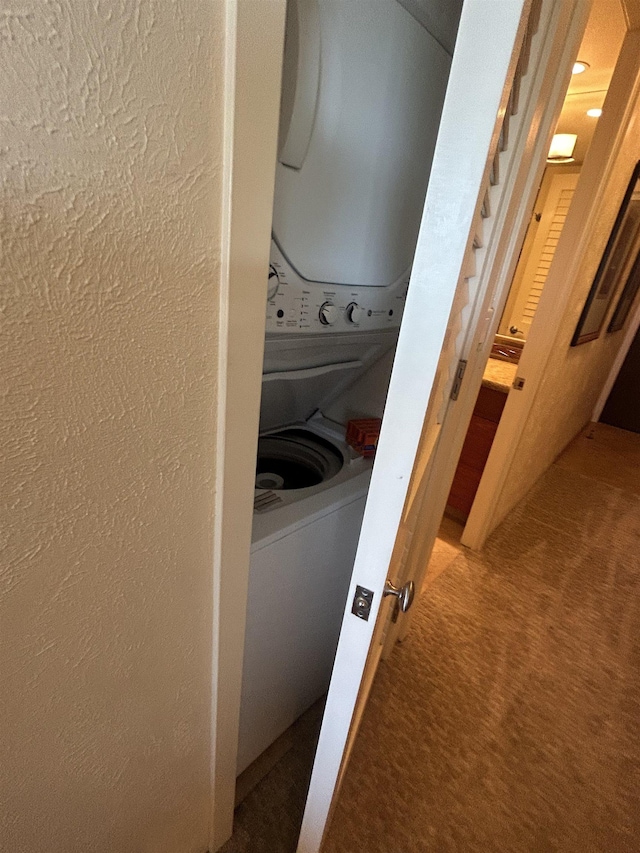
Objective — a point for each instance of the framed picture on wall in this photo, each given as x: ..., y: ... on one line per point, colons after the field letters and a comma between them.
x: 627, y: 298
x: 618, y: 263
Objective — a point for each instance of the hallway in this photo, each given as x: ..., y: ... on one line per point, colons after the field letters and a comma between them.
x: 508, y: 720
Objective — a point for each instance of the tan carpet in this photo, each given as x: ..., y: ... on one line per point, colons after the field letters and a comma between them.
x: 509, y: 719
x: 268, y: 821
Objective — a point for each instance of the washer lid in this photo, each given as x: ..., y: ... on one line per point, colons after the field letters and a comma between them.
x: 304, y: 373
x: 292, y: 396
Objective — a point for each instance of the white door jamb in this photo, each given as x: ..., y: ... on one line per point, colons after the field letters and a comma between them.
x: 254, y: 37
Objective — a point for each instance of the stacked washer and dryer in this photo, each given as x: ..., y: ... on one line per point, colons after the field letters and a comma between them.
x: 363, y: 87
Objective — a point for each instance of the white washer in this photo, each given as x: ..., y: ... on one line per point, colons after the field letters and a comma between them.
x: 308, y: 512
x: 363, y: 88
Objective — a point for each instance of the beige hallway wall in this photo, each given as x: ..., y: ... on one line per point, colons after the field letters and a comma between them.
x: 110, y: 165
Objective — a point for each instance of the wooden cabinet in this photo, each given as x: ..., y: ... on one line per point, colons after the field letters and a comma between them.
x: 475, y: 450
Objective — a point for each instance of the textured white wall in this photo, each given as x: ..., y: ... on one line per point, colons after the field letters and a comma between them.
x: 109, y: 157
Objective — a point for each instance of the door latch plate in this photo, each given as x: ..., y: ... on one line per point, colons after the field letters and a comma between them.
x: 362, y: 601
x: 457, y: 381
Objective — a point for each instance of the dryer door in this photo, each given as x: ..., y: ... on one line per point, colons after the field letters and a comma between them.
x: 363, y: 89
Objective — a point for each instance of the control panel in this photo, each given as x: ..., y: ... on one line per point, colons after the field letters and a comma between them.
x: 296, y: 305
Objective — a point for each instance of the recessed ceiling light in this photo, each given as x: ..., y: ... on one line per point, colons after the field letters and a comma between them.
x: 594, y: 113
x: 579, y: 67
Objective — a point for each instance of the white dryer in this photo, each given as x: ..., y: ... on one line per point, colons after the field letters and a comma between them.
x: 362, y: 93
x: 363, y: 88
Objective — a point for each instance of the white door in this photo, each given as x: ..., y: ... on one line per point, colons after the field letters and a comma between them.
x: 445, y: 307
x: 531, y: 116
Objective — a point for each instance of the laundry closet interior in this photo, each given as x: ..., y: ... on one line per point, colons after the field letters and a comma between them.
x: 362, y: 91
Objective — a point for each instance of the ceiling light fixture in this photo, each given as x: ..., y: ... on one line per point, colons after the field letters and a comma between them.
x: 579, y: 67
x: 594, y: 113
x: 562, y: 146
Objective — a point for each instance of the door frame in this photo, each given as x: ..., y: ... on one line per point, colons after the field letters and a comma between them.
x: 620, y: 106
x: 254, y: 42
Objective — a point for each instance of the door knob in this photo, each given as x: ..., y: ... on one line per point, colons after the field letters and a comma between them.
x: 404, y: 594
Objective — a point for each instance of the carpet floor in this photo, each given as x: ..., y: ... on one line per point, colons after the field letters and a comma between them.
x: 508, y: 720
x: 268, y: 820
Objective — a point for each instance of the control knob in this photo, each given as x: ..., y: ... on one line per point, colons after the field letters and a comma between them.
x: 328, y: 313
x: 273, y: 283
x: 355, y: 313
